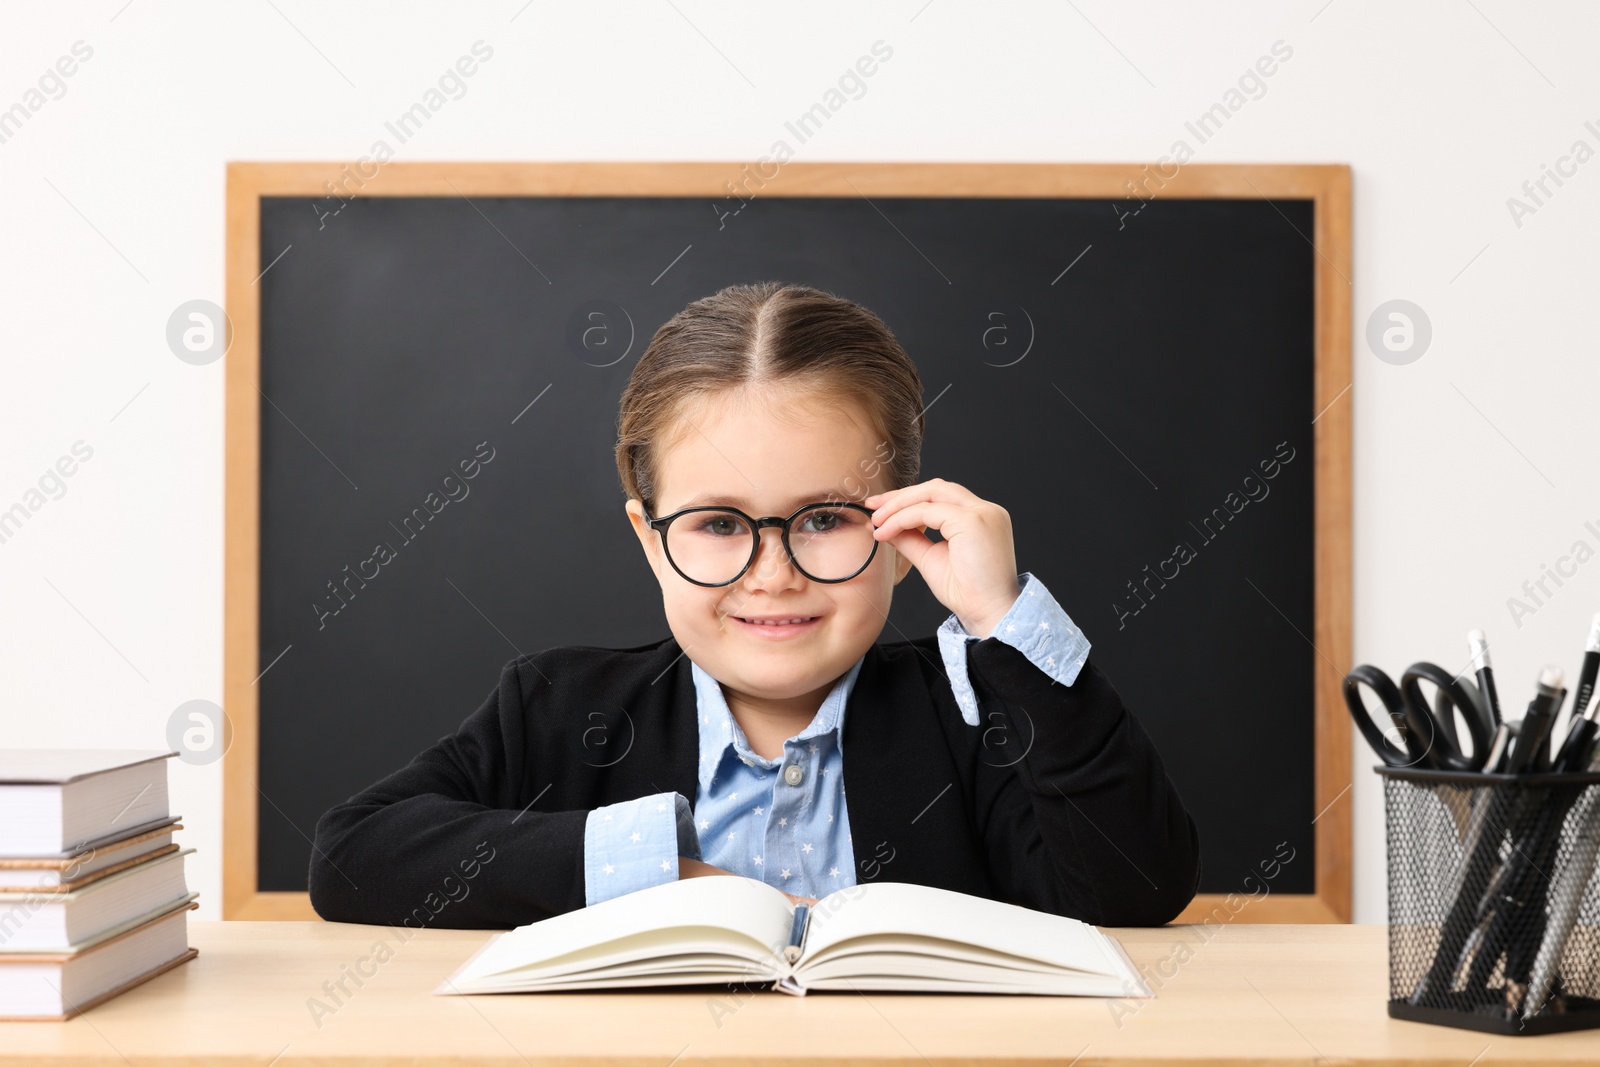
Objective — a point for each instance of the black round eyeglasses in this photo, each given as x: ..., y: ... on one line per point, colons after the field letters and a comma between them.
x: 714, y: 545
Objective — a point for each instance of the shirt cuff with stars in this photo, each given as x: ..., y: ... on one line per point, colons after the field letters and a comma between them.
x: 1034, y: 625
x: 635, y: 844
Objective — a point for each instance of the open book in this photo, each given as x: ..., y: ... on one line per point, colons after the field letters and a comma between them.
x: 729, y: 929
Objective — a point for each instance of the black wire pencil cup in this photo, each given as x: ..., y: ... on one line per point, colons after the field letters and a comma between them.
x: 1494, y: 903
x: 1494, y: 908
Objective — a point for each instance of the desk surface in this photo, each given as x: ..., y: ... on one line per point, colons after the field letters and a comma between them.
x: 1267, y: 994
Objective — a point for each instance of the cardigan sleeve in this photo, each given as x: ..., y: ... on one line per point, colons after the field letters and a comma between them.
x: 453, y: 838
x: 1075, y: 809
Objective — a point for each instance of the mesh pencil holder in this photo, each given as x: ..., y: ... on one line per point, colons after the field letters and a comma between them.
x: 1494, y: 903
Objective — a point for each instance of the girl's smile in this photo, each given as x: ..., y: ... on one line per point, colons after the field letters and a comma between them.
x: 778, y: 627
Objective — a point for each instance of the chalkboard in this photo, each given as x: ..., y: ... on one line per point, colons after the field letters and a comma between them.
x: 439, y: 376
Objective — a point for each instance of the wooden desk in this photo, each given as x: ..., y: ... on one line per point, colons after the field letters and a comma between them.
x: 1251, y: 994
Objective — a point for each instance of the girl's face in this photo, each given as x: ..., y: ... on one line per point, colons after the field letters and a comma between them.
x: 768, y: 450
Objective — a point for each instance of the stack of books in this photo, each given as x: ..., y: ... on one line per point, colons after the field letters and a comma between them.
x: 93, y: 898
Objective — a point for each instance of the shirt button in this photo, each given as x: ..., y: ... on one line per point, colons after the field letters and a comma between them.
x: 792, y: 774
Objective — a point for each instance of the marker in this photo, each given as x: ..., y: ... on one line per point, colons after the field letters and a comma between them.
x: 1531, y: 752
x: 1478, y: 645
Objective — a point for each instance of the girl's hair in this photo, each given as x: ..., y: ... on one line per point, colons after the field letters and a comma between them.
x: 771, y: 333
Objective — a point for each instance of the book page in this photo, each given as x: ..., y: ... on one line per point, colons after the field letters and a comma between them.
x: 901, y: 914
x: 729, y: 915
x: 66, y: 764
x: 913, y: 973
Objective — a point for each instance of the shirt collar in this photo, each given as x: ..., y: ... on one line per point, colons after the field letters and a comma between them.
x: 719, y: 731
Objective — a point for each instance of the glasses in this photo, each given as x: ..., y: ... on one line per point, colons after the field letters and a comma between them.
x: 714, y: 545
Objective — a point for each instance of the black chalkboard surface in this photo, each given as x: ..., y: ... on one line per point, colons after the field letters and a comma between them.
x: 1135, y: 388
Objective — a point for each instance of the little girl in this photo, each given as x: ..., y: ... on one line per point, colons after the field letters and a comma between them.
x: 769, y: 446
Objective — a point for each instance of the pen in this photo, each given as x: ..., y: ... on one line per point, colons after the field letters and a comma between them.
x: 1504, y: 734
x: 1590, y: 668
x: 1478, y: 645
x: 1567, y: 895
x: 797, y: 932
x: 1569, y: 890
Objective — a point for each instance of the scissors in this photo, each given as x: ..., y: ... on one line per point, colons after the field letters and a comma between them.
x: 1427, y: 735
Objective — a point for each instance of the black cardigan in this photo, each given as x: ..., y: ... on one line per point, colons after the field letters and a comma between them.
x: 1057, y: 802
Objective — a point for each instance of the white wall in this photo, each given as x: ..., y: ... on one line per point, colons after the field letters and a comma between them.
x: 1475, y: 466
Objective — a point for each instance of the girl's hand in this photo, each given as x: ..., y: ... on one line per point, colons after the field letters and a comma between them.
x: 973, y: 571
x: 692, y: 868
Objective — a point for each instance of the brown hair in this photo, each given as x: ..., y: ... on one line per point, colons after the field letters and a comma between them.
x: 767, y: 333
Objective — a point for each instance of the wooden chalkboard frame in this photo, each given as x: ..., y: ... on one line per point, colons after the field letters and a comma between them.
x: 1328, y: 185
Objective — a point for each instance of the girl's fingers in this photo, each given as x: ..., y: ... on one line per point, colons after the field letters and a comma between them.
x: 935, y: 489
x: 932, y: 489
x: 915, y: 546
x: 914, y: 516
